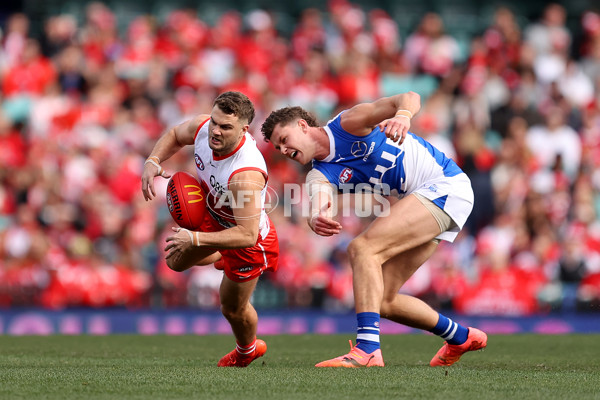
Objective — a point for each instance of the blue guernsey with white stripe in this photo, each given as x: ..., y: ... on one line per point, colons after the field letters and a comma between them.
x: 374, y: 162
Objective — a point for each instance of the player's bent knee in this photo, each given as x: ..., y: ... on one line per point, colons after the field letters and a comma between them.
x: 357, y: 247
x: 192, y: 257
x: 230, y: 312
x: 176, y: 266
x: 361, y: 247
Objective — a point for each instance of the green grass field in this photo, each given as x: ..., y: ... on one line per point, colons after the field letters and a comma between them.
x: 184, y: 367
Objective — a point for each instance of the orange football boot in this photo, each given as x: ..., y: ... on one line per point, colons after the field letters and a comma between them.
x: 236, y: 359
x: 450, y: 353
x: 355, y: 359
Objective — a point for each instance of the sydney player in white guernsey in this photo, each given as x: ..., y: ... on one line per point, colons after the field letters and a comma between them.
x: 370, y: 145
x: 237, y: 235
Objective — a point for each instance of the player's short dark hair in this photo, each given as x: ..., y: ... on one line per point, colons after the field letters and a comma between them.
x: 285, y: 116
x: 236, y: 103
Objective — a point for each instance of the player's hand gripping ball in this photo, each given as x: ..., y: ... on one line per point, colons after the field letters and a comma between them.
x: 186, y: 200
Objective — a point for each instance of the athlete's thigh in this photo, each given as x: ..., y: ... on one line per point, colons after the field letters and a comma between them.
x: 408, y: 225
x: 398, y: 269
x: 236, y: 294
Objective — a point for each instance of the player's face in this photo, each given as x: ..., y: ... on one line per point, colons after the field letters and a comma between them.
x: 291, y: 141
x: 224, y: 131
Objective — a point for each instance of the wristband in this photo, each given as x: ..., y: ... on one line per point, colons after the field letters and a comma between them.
x: 150, y: 160
x: 194, y: 237
x: 409, y: 116
x: 190, y: 233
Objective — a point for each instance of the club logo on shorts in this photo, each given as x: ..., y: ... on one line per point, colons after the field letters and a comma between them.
x: 345, y: 175
x: 199, y: 162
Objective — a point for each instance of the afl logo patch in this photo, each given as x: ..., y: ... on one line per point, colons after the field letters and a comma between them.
x: 199, y: 162
x: 345, y: 175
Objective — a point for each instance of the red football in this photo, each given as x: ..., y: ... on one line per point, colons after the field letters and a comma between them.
x: 186, y: 200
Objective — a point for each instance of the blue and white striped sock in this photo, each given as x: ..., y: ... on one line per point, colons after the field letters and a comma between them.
x: 450, y: 331
x: 367, y: 333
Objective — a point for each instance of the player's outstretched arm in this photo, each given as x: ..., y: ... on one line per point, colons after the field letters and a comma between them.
x: 245, y: 188
x: 168, y: 144
x: 321, y: 194
x: 391, y: 114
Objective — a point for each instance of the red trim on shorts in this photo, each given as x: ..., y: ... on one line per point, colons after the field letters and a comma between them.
x: 200, y: 127
x: 217, y: 158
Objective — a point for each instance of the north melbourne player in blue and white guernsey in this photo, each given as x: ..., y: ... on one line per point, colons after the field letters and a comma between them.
x: 370, y: 145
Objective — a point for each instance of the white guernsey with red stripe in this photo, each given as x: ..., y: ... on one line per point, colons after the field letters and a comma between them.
x: 215, y: 173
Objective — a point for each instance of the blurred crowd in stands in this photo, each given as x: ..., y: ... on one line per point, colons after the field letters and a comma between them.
x: 517, y: 105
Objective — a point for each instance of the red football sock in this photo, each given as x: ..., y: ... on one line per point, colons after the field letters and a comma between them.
x: 247, y: 349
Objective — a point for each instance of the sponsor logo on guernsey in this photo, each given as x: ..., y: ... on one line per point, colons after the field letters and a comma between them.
x: 369, y: 152
x: 358, y: 149
x: 345, y: 175
x: 199, y: 162
x: 340, y: 158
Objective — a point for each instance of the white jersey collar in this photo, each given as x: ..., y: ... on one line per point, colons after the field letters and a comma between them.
x: 331, y: 155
